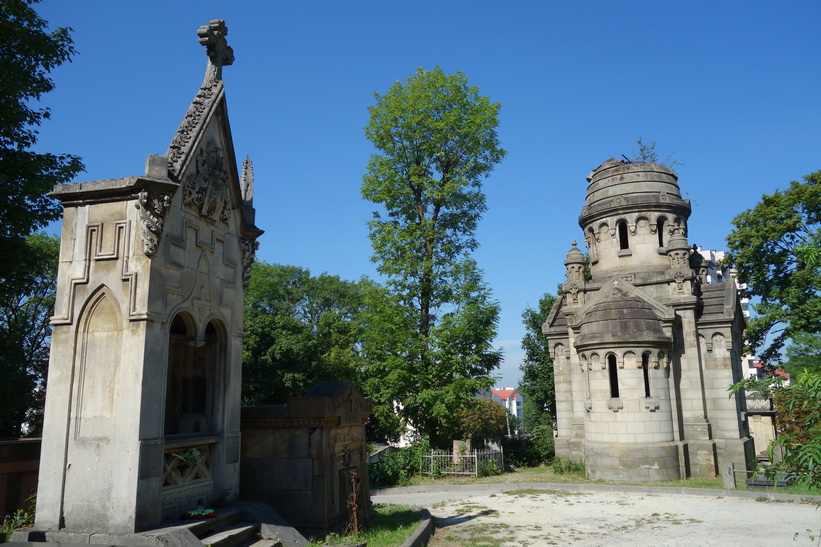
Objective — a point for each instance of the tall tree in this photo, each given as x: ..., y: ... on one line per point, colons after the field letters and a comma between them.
x: 803, y: 353
x: 436, y: 141
x: 299, y: 329
x: 26, y: 306
x: 537, y: 383
x: 775, y: 247
x: 28, y: 52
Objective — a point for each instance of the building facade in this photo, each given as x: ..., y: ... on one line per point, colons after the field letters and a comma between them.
x: 644, y: 348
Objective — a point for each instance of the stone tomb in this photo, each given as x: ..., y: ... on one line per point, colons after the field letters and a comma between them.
x: 644, y: 348
x: 143, y: 411
x: 308, y: 459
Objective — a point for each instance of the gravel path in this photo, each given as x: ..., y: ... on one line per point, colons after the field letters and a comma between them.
x: 527, y: 516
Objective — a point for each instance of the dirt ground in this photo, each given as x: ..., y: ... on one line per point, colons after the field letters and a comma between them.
x: 539, y: 517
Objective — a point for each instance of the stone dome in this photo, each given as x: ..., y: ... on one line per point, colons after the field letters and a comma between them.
x: 621, y: 319
x: 616, y: 186
x: 574, y: 256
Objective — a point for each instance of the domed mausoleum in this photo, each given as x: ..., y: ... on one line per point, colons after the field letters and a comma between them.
x: 643, y: 347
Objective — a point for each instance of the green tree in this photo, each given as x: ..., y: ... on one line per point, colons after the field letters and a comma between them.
x: 537, y: 384
x: 798, y: 421
x: 299, y: 329
x: 775, y: 248
x: 482, y: 419
x: 436, y: 141
x: 28, y: 52
x: 26, y: 306
x: 803, y: 353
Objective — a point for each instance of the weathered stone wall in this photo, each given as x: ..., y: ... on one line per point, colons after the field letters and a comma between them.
x: 298, y: 458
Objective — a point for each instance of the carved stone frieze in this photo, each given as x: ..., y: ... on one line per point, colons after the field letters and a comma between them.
x: 206, y: 190
x: 152, y: 208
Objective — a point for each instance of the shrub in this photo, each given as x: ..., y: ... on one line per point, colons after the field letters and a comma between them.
x: 543, y: 440
x: 489, y: 468
x: 397, y: 466
x: 567, y: 466
x: 520, y: 451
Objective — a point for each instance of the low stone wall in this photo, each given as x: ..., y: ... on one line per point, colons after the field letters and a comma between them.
x: 19, y: 466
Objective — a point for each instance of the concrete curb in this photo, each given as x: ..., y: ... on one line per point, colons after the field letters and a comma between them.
x: 422, y: 533
x: 480, y: 489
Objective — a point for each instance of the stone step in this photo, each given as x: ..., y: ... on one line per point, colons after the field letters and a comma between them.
x: 267, y: 543
x: 226, y: 516
x: 236, y: 535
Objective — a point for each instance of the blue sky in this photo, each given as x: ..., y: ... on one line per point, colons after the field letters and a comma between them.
x: 732, y: 88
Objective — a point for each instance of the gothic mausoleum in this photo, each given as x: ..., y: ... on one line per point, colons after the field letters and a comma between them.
x: 142, y: 419
x: 643, y: 347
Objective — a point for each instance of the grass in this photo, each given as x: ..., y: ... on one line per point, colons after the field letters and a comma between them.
x: 391, y: 526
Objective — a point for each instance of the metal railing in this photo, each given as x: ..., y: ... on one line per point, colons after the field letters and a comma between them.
x: 475, y: 463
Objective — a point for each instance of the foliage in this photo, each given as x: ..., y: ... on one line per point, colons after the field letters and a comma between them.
x: 397, y: 466
x: 21, y: 518
x: 803, y: 353
x: 798, y: 422
x: 544, y: 443
x: 29, y: 53
x: 646, y: 153
x: 483, y: 419
x: 567, y: 466
x: 775, y: 248
x: 489, y: 468
x: 429, y: 345
x: 520, y: 451
x: 26, y: 306
x: 299, y: 329
x: 537, y: 385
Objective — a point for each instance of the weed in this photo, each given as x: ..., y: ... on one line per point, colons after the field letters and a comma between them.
x: 21, y: 518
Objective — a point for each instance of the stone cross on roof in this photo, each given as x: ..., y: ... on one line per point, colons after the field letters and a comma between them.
x: 220, y: 54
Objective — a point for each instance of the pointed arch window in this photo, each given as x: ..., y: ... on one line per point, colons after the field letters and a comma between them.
x: 194, y: 366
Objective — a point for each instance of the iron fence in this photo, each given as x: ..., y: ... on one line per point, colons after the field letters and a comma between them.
x: 475, y: 463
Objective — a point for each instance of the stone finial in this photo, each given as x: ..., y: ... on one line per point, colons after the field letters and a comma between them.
x: 247, y: 182
x: 574, y: 255
x: 220, y: 54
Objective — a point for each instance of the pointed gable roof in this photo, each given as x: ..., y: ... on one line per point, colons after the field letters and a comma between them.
x: 203, y: 147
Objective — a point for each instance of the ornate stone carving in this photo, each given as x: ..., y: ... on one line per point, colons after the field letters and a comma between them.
x: 679, y: 279
x: 206, y: 190
x: 249, y: 248
x: 152, y: 208
x: 188, y: 128
x: 212, y: 36
x: 572, y: 289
